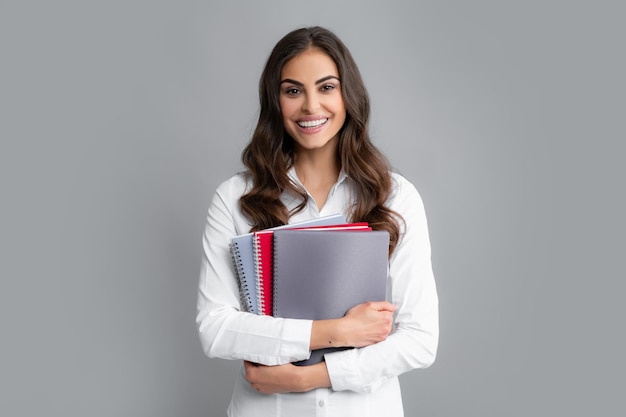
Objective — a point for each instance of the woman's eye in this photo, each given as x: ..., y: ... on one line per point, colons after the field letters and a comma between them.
x: 292, y: 91
x: 327, y: 87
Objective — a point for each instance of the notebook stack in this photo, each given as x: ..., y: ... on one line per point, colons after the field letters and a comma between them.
x: 314, y: 270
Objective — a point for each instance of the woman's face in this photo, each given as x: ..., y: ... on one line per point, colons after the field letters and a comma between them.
x: 310, y: 99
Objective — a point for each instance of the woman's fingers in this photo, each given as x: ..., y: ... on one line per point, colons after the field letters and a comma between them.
x: 382, y: 306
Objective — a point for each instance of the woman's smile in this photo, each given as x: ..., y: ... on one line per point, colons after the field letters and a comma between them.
x: 311, y: 124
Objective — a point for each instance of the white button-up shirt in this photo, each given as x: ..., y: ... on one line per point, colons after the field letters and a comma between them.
x: 364, y: 381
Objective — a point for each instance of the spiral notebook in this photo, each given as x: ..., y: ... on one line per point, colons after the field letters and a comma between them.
x: 322, y: 275
x: 263, y: 246
x: 242, y: 253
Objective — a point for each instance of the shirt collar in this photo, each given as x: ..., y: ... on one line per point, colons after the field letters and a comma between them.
x: 294, y: 177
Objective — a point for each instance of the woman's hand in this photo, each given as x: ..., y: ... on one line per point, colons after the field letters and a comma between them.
x: 286, y: 378
x: 363, y: 325
x: 367, y: 323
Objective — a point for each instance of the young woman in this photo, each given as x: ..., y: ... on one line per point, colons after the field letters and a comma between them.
x: 311, y: 156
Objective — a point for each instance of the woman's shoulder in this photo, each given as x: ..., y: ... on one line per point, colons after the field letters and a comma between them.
x: 230, y: 190
x: 236, y: 185
x: 402, y: 185
x: 403, y: 193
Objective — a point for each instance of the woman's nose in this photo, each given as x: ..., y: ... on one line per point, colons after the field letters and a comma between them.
x: 311, y: 103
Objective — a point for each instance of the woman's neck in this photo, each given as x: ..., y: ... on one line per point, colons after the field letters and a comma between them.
x: 317, y: 170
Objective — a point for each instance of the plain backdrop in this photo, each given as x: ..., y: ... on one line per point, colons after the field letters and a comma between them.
x: 118, y: 119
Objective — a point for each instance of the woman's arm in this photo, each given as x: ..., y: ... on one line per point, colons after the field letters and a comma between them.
x: 286, y: 378
x: 225, y: 331
x: 413, y: 342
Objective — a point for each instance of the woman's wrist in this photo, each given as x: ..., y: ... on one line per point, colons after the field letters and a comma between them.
x: 327, y: 333
x: 315, y: 376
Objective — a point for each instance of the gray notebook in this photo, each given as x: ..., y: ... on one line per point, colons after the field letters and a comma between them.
x: 322, y: 274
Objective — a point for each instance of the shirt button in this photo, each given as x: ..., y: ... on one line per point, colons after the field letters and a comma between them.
x: 321, y: 403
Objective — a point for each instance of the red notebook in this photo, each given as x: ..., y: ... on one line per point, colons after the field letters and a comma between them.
x: 263, y: 244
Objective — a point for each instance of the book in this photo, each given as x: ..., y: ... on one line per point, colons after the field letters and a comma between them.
x: 242, y: 253
x: 322, y: 275
x: 263, y: 257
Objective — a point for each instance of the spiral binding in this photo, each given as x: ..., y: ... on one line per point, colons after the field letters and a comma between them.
x: 275, y: 283
x: 260, y: 290
x: 244, y: 292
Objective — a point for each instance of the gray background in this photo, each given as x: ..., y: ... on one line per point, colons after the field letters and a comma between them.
x: 119, y: 119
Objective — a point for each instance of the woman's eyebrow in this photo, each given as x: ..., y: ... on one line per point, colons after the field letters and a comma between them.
x: 328, y: 77
x: 321, y: 80
x: 290, y: 81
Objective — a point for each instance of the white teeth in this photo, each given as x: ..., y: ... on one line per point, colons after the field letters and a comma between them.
x: 312, y: 123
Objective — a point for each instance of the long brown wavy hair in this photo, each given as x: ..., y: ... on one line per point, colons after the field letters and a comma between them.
x: 270, y: 153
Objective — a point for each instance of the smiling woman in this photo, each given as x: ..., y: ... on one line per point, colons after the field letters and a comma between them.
x: 310, y: 156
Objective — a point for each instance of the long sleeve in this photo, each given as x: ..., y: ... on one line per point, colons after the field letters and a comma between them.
x: 225, y: 331
x: 413, y: 343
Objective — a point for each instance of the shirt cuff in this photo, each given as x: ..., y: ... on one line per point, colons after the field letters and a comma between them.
x: 346, y: 373
x: 296, y: 339
x: 342, y: 370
